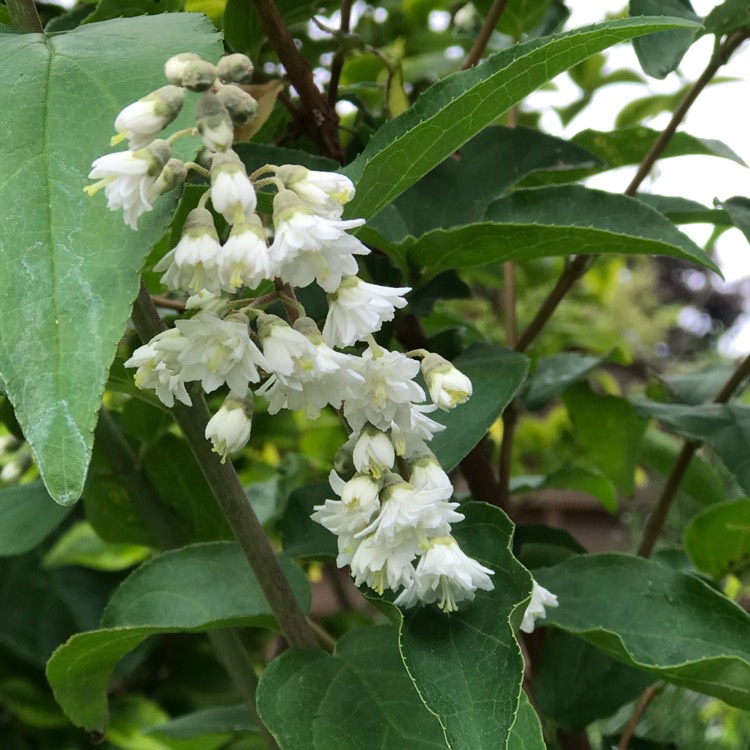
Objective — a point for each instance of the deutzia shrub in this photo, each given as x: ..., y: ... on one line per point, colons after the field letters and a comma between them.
x: 393, y: 510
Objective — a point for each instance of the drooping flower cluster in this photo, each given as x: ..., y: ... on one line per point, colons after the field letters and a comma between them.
x: 394, y: 509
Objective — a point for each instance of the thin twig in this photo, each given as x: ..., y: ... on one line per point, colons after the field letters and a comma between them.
x: 325, y: 639
x: 167, y: 303
x: 319, y: 118
x: 510, y: 418
x: 640, y: 707
x: 480, y: 43
x: 24, y: 15
x: 337, y: 65
x: 229, y: 493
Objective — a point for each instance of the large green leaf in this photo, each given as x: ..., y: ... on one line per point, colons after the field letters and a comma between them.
x: 527, y: 731
x: 496, y: 375
x: 458, y: 107
x: 555, y: 374
x: 361, y: 697
x: 69, y: 269
x: 665, y: 622
x: 196, y: 588
x: 726, y: 428
x: 29, y: 516
x: 550, y: 221
x: 467, y: 665
x: 718, y: 539
x: 728, y: 16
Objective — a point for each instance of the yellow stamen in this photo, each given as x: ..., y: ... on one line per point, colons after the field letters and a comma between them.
x: 115, y: 139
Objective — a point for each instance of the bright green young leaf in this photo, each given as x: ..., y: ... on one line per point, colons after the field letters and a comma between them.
x: 659, y: 54
x: 458, y: 107
x: 68, y: 274
x: 726, y: 428
x: 728, y: 16
x: 526, y: 733
x: 718, y: 539
x: 554, y: 374
x: 496, y: 375
x: 361, y: 697
x: 467, y: 665
x: 28, y: 517
x: 659, y: 451
x: 221, y: 720
x: 552, y: 221
x: 196, y: 588
x: 601, y: 684
x: 660, y: 620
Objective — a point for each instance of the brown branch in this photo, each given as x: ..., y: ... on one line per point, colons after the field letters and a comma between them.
x: 337, y: 65
x: 24, y: 15
x: 319, y: 118
x: 480, y: 43
x: 510, y: 418
x: 167, y: 303
x: 646, y: 698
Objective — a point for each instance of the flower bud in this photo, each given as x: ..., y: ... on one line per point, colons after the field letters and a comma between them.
x: 174, y: 68
x: 343, y: 461
x: 308, y: 328
x: 232, y: 193
x: 198, y: 75
x: 241, y: 106
x: 229, y: 429
x: 236, y: 68
x: 373, y: 452
x: 448, y: 386
x: 141, y: 121
x: 172, y: 177
x: 214, y: 123
x: 425, y: 472
x: 324, y: 192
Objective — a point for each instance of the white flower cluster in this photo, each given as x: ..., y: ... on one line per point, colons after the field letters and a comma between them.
x: 394, y: 514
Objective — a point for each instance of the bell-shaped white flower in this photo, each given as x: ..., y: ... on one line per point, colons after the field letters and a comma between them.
x: 141, y: 121
x: 232, y: 193
x: 326, y: 193
x: 382, y: 566
x: 373, y: 452
x: 426, y: 473
x: 159, y: 368
x: 243, y: 259
x: 229, y: 429
x: 446, y: 575
x: 411, y: 429
x: 357, y: 309
x: 285, y: 349
x: 129, y: 179
x: 220, y: 351
x: 192, y: 264
x: 540, y: 599
x: 212, y: 120
x: 448, y: 386
x: 358, y: 504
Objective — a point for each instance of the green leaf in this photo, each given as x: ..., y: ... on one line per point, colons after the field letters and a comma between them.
x: 496, y: 375
x: 107, y: 10
x: 738, y: 209
x: 467, y: 665
x: 699, y: 386
x: 29, y: 516
x: 667, y: 623
x: 552, y: 221
x: 600, y: 687
x: 725, y: 428
x: 728, y: 16
x: 555, y: 374
x: 527, y: 731
x: 360, y: 697
x: 458, y: 107
x: 718, y: 539
x: 196, y: 588
x: 684, y: 211
x: 659, y: 451
x: 586, y: 480
x: 610, y: 431
x: 519, y: 16
x: 659, y: 54
x: 301, y: 537
x: 68, y: 274
x: 208, y: 721
x: 538, y: 546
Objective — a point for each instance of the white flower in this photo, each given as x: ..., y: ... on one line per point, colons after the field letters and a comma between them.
x: 243, y: 259
x: 308, y: 248
x: 540, y: 598
x: 191, y: 265
x: 357, y: 309
x: 213, y: 122
x: 232, y: 193
x: 386, y: 395
x: 359, y: 503
x: 229, y: 429
x: 141, y: 121
x: 159, y: 368
x: 205, y: 300
x: 287, y: 351
x: 220, y: 351
x: 324, y: 192
x: 448, y: 386
x: 426, y: 473
x: 373, y: 451
x: 381, y: 566
x: 129, y: 179
x: 445, y: 575
x: 412, y: 428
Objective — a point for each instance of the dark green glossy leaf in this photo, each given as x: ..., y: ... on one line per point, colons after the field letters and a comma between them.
x: 527, y: 731
x: 664, y: 622
x: 554, y: 374
x: 728, y: 16
x: 107, y: 10
x: 684, y: 211
x: 460, y: 106
x: 718, y: 539
x: 75, y: 265
x: 539, y: 546
x: 361, y: 697
x: 590, y: 481
x: 738, y: 209
x: 496, y: 375
x: 196, y: 588
x: 659, y: 54
x: 300, y: 536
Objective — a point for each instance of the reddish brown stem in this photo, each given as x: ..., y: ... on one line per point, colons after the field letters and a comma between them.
x: 338, y: 59
x: 480, y: 43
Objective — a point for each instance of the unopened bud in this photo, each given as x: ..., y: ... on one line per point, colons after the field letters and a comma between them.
x: 241, y: 106
x: 373, y: 452
x: 174, y: 68
x: 229, y: 429
x: 308, y: 328
x: 172, y: 177
x: 199, y: 75
x: 448, y: 386
x: 214, y: 123
x: 157, y: 153
x: 141, y: 121
x: 236, y: 68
